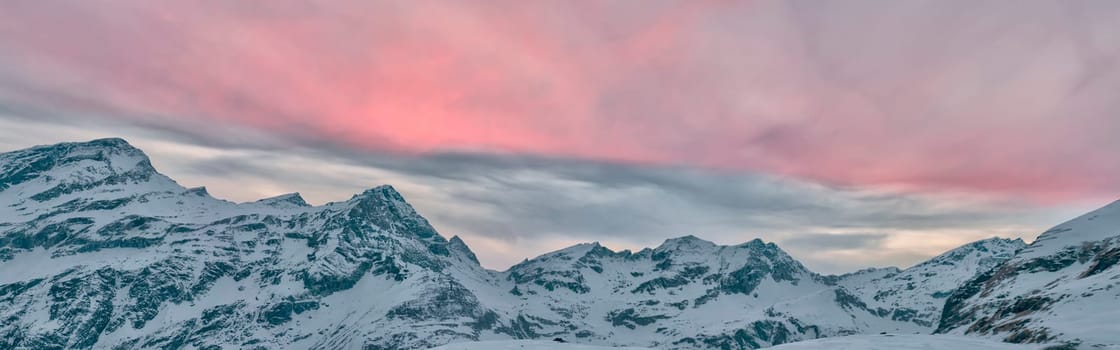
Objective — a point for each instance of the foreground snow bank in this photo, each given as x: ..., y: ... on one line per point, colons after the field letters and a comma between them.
x: 903, y: 342
x: 526, y: 345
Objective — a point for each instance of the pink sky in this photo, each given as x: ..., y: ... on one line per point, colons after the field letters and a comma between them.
x: 903, y: 128
x: 921, y: 96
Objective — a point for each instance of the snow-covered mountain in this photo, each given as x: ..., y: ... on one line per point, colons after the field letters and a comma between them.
x: 1064, y: 287
x: 98, y: 250
x: 686, y: 293
x: 917, y: 294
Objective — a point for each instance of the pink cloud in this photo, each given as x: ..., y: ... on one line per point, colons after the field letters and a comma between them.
x: 920, y: 96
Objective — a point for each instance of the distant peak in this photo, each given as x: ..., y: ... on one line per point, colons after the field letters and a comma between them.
x: 575, y: 251
x: 382, y: 192
x: 584, y: 245
x: 289, y: 199
x: 996, y: 241
x: 385, y: 189
x: 757, y: 242
x: 686, y: 238
x: 385, y: 205
x: 456, y: 244
x: 111, y: 142
x: 113, y: 145
x: 688, y: 241
x: 380, y: 195
x: 92, y: 158
x: 693, y: 242
x: 60, y: 150
x: 993, y: 246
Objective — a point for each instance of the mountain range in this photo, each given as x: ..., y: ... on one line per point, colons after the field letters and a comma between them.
x: 99, y: 250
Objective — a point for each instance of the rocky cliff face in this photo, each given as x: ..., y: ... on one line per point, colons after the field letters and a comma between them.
x: 1064, y: 288
x: 98, y: 250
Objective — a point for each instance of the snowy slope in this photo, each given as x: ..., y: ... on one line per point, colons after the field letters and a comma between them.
x: 527, y: 345
x: 904, y: 342
x: 98, y: 250
x: 686, y: 293
x: 1064, y: 287
x: 917, y: 294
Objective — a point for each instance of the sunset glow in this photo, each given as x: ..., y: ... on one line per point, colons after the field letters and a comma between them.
x: 979, y: 103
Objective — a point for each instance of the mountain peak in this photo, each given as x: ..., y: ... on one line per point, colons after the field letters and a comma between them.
x: 111, y: 142
x: 456, y: 244
x: 686, y: 242
x: 756, y: 243
x: 74, y: 166
x: 384, y: 206
x: 576, y: 251
x: 996, y: 241
x: 59, y: 150
x: 382, y: 195
x: 293, y: 199
x: 385, y: 192
x: 1094, y: 226
x: 988, y: 248
x: 112, y: 145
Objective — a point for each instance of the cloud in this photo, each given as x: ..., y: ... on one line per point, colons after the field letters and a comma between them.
x: 512, y: 207
x: 525, y: 126
x: 925, y: 96
x: 831, y: 241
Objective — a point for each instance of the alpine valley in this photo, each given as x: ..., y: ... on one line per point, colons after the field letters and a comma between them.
x: 99, y: 250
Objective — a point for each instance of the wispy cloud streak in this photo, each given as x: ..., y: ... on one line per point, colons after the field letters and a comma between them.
x: 1002, y: 97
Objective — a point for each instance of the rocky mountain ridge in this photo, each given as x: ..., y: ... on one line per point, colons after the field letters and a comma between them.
x: 1063, y: 287
x: 99, y: 250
